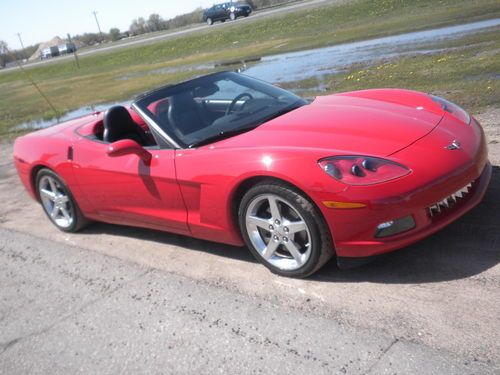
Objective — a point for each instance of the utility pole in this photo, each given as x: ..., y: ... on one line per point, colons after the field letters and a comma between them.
x: 98, y: 26
x: 21, y: 41
x: 74, y: 51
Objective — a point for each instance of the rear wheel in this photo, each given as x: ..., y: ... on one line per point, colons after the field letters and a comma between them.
x: 284, y: 230
x: 209, y: 21
x: 58, y: 202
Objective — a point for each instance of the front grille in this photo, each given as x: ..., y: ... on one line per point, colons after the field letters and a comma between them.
x: 451, y: 201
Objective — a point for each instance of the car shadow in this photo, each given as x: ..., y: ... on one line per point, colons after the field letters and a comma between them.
x: 171, y: 239
x: 465, y: 248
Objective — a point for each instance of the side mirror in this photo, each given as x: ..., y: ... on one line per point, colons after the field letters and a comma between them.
x: 127, y: 147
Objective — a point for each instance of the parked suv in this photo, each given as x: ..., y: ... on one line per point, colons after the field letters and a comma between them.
x: 225, y: 11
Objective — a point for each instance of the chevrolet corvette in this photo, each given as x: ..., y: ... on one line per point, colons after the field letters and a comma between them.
x: 232, y: 159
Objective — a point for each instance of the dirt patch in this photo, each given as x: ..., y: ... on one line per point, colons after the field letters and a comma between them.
x: 490, y: 120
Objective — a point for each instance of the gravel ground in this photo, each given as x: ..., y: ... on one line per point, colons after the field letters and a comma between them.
x: 114, y: 298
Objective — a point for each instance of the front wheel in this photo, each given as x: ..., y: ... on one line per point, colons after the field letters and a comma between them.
x: 232, y: 16
x: 284, y: 230
x: 58, y: 202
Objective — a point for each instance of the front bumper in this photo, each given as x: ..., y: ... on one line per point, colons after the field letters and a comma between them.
x: 356, y: 253
x: 437, y: 174
x: 242, y: 12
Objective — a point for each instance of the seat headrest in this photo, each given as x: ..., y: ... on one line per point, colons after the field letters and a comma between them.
x: 207, y: 90
x: 118, y: 122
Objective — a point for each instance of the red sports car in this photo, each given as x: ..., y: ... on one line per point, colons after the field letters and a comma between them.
x: 232, y: 159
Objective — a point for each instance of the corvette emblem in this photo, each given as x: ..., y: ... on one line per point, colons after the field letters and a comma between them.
x: 455, y: 145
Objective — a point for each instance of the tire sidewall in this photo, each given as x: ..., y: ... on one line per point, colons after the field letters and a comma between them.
x: 308, y: 212
x: 75, y: 225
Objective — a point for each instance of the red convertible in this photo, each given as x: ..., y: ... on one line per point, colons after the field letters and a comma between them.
x: 232, y: 159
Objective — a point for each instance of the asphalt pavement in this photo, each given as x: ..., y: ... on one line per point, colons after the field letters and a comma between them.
x: 66, y: 310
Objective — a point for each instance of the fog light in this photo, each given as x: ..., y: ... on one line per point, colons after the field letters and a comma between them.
x: 392, y: 227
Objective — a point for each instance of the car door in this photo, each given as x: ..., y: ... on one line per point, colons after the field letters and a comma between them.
x: 128, y: 190
x: 220, y: 12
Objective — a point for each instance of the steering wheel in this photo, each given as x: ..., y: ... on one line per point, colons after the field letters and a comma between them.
x: 235, y: 100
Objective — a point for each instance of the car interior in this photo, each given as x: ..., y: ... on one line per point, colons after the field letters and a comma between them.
x: 196, y: 111
x: 119, y: 123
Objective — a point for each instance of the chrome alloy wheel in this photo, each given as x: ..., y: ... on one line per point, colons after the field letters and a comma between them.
x: 56, y: 202
x: 278, y: 232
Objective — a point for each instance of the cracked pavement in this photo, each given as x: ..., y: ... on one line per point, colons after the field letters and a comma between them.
x: 73, y: 310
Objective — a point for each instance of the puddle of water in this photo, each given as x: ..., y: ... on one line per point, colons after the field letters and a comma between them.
x: 82, y: 111
x: 295, y: 66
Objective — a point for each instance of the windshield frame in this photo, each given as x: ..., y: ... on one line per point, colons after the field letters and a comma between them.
x: 141, y: 103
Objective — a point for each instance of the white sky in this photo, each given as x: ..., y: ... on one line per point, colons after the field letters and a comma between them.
x: 39, y: 21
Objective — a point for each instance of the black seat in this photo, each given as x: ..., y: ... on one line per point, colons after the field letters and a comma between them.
x: 118, y: 125
x: 183, y: 114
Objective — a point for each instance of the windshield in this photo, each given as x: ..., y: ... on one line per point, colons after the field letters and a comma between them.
x: 214, y: 107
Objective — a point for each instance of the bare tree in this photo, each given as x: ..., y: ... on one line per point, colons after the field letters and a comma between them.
x: 155, y: 22
x: 138, y: 26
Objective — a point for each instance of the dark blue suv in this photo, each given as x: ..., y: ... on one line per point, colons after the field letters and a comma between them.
x: 225, y: 11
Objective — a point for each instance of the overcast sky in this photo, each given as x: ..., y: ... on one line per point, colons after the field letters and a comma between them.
x: 41, y: 20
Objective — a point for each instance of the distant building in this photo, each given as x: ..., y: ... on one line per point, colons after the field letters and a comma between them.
x: 53, y: 48
x: 54, y: 51
x: 66, y: 48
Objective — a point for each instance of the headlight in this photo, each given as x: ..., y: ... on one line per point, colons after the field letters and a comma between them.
x: 362, y: 170
x: 460, y: 113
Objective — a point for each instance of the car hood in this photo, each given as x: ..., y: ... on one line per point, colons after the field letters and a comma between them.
x: 370, y: 122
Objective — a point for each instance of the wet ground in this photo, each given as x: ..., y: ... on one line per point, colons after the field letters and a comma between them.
x: 302, y: 65
x: 314, y: 63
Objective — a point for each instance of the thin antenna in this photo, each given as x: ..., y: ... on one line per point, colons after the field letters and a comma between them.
x: 34, y: 84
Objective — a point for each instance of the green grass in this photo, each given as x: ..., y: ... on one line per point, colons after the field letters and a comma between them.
x: 103, y: 77
x: 468, y: 73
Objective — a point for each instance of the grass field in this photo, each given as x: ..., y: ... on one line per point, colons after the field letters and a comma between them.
x: 467, y: 72
x: 119, y: 75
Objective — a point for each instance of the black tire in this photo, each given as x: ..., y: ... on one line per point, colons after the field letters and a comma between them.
x: 209, y: 21
x: 78, y: 221
x: 320, y: 247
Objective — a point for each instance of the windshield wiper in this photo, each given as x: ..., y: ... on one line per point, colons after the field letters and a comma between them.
x: 283, y: 111
x: 222, y: 135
